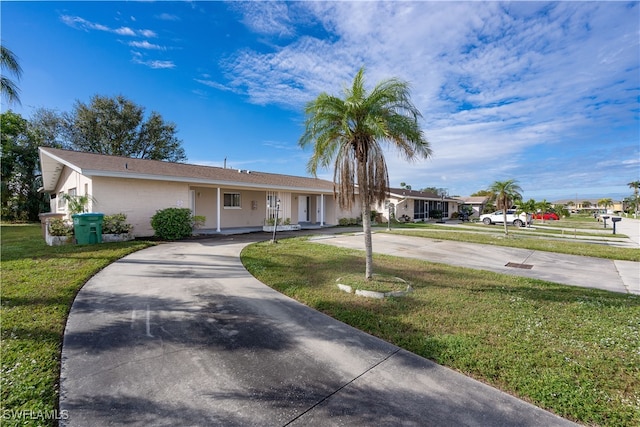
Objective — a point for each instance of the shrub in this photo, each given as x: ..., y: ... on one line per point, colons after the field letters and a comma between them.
x: 116, y: 224
x: 172, y: 223
x: 77, y: 204
x: 199, y: 221
x: 58, y: 227
x: 272, y: 221
x: 348, y: 221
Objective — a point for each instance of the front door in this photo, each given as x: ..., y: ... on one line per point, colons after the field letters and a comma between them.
x: 303, y: 209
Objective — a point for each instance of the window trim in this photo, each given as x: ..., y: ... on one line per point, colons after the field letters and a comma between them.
x: 233, y: 197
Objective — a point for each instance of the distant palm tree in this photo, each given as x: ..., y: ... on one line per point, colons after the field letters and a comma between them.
x: 605, y: 203
x: 527, y: 207
x: 350, y: 132
x: 544, y: 207
x: 507, y: 193
x: 635, y: 185
x: 9, y: 62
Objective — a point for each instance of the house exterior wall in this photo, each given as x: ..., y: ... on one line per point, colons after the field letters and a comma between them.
x: 138, y: 199
x: 70, y: 179
x: 406, y: 206
x: 250, y: 213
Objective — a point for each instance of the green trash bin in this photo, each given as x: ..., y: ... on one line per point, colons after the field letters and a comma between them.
x: 88, y: 228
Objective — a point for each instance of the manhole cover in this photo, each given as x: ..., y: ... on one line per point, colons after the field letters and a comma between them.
x: 516, y: 265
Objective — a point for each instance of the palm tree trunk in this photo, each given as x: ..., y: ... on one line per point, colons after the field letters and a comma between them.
x: 368, y: 246
x: 504, y: 218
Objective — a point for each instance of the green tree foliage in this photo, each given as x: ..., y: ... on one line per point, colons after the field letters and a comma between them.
x: 47, y: 128
x: 605, y: 203
x: 635, y: 185
x: 528, y: 207
x: 116, y: 126
x: 172, y: 223
x: 21, y: 177
x: 433, y: 190
x: 348, y: 133
x: 507, y: 193
x: 9, y: 64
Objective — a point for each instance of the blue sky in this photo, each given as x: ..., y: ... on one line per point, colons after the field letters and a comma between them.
x: 545, y: 93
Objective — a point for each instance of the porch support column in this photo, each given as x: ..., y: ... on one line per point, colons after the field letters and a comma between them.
x: 321, y: 210
x: 218, y: 214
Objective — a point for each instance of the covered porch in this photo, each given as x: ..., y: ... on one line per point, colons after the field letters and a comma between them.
x: 237, y: 209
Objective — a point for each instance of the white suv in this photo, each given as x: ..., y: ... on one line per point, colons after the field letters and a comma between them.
x: 497, y: 217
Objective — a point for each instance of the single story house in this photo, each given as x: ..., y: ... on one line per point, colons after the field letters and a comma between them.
x: 477, y: 203
x: 227, y: 198
x: 414, y: 205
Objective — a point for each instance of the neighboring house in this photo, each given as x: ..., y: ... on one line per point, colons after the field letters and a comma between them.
x: 477, y: 203
x: 228, y: 198
x: 416, y: 205
x: 591, y: 206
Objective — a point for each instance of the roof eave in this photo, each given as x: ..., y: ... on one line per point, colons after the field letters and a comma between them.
x: 203, y: 181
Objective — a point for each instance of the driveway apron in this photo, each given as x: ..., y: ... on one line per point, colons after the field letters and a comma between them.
x: 181, y: 334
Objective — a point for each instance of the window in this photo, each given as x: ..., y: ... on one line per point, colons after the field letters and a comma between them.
x: 61, y: 200
x: 232, y: 200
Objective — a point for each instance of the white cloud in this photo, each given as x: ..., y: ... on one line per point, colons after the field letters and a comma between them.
x: 168, y: 17
x: 155, y: 64
x: 214, y: 85
x: 124, y: 31
x: 499, y: 84
x: 266, y: 17
x: 146, y: 45
x: 82, y: 24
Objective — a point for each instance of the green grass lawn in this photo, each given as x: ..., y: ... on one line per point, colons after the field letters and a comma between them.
x: 39, y: 283
x: 571, y: 350
x: 575, y: 351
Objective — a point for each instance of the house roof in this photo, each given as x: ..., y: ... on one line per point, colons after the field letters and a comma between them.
x: 416, y: 194
x: 53, y: 161
x: 475, y: 200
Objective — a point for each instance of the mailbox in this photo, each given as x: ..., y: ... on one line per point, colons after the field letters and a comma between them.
x: 614, y: 220
x: 604, y: 219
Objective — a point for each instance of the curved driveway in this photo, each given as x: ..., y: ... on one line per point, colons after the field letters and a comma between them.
x: 181, y: 334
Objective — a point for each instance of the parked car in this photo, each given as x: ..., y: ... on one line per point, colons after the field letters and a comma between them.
x: 497, y: 217
x: 546, y: 216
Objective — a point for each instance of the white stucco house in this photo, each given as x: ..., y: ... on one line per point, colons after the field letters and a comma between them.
x: 228, y: 198
x: 477, y: 203
x: 414, y: 205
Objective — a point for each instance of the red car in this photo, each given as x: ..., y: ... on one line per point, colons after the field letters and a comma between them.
x: 546, y: 216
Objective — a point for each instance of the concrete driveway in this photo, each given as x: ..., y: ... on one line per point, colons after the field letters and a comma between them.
x: 181, y: 334
x: 588, y: 272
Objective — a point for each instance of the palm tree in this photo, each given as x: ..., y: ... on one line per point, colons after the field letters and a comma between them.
x: 9, y: 62
x: 605, y: 203
x: 507, y: 192
x: 527, y: 207
x: 635, y: 185
x: 543, y: 207
x: 349, y: 134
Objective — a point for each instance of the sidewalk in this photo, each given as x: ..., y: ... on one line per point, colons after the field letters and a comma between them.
x: 182, y: 334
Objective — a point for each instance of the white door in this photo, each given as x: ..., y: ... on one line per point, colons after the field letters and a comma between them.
x: 303, y: 209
